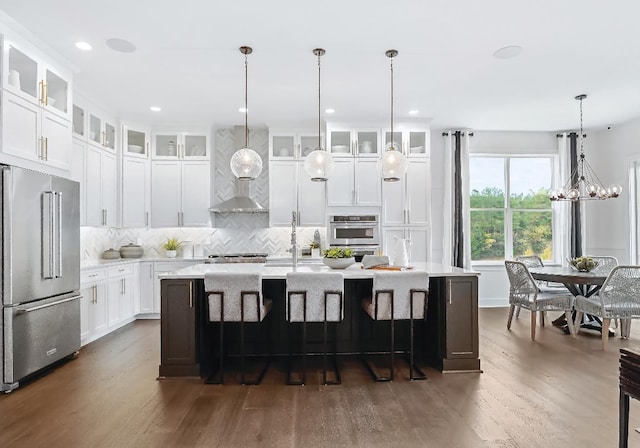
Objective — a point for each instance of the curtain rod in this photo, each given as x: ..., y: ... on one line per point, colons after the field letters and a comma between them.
x: 445, y: 134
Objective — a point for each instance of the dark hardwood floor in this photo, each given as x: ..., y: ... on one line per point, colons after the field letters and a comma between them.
x: 554, y: 392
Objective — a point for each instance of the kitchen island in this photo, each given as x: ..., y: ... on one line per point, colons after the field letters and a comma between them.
x: 447, y: 339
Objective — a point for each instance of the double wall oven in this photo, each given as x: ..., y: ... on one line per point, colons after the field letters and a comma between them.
x: 360, y: 233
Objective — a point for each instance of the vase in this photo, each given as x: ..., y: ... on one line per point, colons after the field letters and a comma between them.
x: 315, y: 252
x: 171, y: 253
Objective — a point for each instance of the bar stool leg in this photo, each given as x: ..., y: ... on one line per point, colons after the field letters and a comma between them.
x: 412, y: 366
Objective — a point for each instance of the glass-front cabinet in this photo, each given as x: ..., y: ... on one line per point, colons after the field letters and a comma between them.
x: 412, y: 143
x: 102, y: 130
x: 292, y: 145
x: 136, y: 141
x: 34, y: 80
x: 345, y: 142
x: 181, y: 145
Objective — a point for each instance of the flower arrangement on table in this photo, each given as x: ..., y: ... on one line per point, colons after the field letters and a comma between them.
x: 583, y: 264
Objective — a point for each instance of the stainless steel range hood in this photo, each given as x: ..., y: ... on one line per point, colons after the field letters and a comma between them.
x: 240, y: 202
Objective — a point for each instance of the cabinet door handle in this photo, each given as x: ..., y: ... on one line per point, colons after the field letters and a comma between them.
x: 151, y: 272
x: 357, y: 197
x: 178, y: 219
x: 46, y: 148
x: 42, y: 97
x: 146, y: 219
x: 146, y: 149
x: 94, y: 290
x: 449, y: 284
x: 190, y: 294
x: 41, y: 148
x: 93, y: 275
x: 46, y: 93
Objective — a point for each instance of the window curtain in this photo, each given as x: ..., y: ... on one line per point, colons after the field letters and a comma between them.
x: 569, y: 242
x: 457, y: 250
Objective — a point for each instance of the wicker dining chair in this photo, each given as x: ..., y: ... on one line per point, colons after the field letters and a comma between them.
x: 619, y: 298
x: 605, y: 262
x: 524, y: 292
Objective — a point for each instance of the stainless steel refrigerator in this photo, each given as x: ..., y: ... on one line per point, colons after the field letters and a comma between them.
x: 40, y: 247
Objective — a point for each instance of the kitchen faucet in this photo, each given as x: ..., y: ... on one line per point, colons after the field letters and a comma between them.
x: 294, y: 243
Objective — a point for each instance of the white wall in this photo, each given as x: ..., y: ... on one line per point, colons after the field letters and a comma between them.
x: 493, y: 286
x: 610, y: 153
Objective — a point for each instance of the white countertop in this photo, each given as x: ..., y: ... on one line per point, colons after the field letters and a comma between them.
x: 102, y: 263
x: 280, y: 272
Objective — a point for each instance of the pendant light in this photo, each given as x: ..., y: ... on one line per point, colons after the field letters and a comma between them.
x: 392, y: 164
x: 246, y: 164
x: 319, y: 163
x: 584, y: 184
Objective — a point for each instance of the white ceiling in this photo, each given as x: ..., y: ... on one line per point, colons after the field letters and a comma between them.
x: 187, y: 59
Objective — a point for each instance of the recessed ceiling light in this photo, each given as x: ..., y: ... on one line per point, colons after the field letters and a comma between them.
x: 83, y: 46
x: 243, y: 110
x: 508, y: 52
x: 155, y: 108
x: 329, y: 111
x: 413, y: 111
x: 121, y: 45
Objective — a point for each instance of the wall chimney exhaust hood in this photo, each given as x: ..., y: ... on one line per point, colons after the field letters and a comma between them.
x: 240, y: 202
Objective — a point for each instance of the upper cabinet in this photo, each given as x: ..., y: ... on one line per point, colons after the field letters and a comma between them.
x: 30, y: 77
x: 136, y: 141
x: 412, y: 142
x: 178, y: 145
x: 94, y: 126
x: 36, y: 112
x: 292, y: 145
x: 347, y: 142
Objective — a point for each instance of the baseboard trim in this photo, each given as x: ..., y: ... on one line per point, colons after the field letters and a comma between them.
x: 498, y: 302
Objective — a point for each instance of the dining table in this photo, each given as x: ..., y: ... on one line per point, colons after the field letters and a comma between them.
x: 578, y: 283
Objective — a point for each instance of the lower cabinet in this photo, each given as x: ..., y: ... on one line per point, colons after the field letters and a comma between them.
x: 461, y: 334
x: 107, y: 300
x: 147, y: 281
x: 178, y: 353
x: 162, y: 267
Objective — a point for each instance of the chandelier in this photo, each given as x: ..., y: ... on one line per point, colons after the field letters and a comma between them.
x: 245, y: 163
x: 584, y: 184
x: 319, y: 163
x: 392, y: 164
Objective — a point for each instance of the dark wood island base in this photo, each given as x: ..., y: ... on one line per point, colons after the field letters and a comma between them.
x: 447, y: 340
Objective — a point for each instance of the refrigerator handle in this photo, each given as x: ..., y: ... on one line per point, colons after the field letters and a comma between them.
x: 59, y: 234
x: 47, y: 235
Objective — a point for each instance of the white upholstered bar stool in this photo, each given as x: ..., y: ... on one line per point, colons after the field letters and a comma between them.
x: 314, y: 297
x: 235, y: 297
x: 397, y: 296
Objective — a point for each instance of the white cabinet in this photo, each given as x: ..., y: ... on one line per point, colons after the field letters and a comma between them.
x: 78, y: 150
x: 354, y: 181
x: 36, y: 118
x: 290, y: 145
x: 135, y: 141
x: 120, y: 292
x: 100, y: 187
x: 135, y: 192
x: 178, y: 145
x: 418, y: 247
x: 102, y: 130
x: 291, y: 190
x: 146, y: 288
x: 180, y: 192
x: 343, y: 141
x: 93, y: 305
x: 407, y: 202
x: 413, y: 142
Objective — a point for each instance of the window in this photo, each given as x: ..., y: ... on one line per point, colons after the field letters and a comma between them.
x: 510, y: 209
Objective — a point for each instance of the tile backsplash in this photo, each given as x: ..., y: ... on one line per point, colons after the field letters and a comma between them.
x: 273, y: 241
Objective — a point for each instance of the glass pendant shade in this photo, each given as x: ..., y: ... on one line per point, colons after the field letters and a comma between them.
x: 246, y: 164
x: 392, y: 166
x: 318, y: 165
